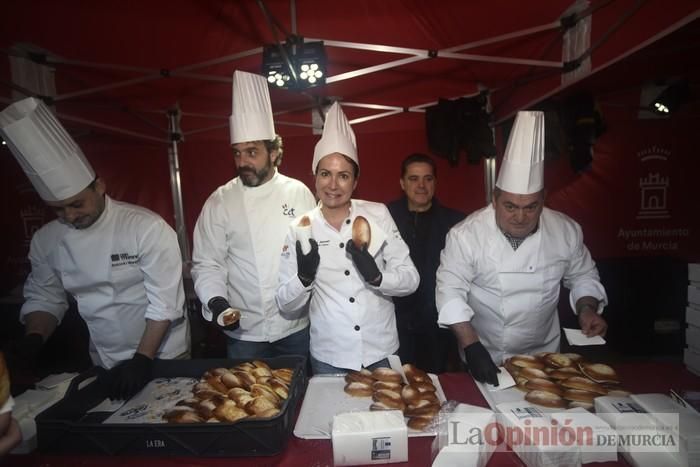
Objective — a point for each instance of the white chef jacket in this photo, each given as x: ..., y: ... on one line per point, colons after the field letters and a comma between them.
x: 123, y: 269
x: 237, y: 242
x: 352, y: 323
x: 510, y: 296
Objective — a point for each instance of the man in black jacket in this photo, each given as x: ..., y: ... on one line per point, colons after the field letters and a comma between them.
x: 423, y: 223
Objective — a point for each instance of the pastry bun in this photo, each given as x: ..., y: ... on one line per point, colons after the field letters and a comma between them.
x: 415, y: 374
x: 389, y: 398
x: 386, y: 385
x: 386, y: 374
x: 599, y: 372
x: 526, y: 361
x: 579, y: 382
x: 361, y: 234
x: 356, y: 389
x: 579, y: 395
x: 557, y: 360
x: 532, y: 373
x: 546, y: 385
x: 229, y: 319
x: 546, y: 399
x: 359, y: 377
x: 182, y: 415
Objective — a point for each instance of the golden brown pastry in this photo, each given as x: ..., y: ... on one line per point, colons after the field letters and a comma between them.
x: 531, y: 373
x: 361, y: 234
x: 360, y: 377
x: 557, y: 360
x: 542, y: 384
x: 415, y: 374
x: 259, y: 405
x: 261, y: 390
x: 386, y: 385
x: 182, y: 415
x: 228, y: 411
x: 357, y: 389
x: 389, y: 398
x: 386, y: 374
x: 526, y: 361
x: 579, y: 395
x: 579, y: 382
x: 546, y: 399
x: 285, y: 374
x: 599, y: 372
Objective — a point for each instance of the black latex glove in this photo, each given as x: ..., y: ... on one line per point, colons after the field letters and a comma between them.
x: 364, y: 263
x: 307, y: 264
x: 480, y: 364
x: 218, y: 305
x: 128, y: 377
x: 22, y: 354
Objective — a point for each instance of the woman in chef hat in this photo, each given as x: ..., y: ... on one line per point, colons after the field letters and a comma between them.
x: 348, y: 280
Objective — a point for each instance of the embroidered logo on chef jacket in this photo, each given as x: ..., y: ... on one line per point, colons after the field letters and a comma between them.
x: 121, y: 259
x: 287, y: 211
x: 285, y: 251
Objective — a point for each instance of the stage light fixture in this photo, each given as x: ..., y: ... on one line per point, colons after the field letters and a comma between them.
x: 295, y: 64
x: 670, y: 98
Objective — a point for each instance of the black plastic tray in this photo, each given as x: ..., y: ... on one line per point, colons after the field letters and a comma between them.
x: 67, y: 428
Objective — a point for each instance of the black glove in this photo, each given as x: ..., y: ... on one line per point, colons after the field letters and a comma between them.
x: 364, y: 263
x: 307, y: 264
x: 480, y: 364
x: 22, y: 354
x: 218, y: 305
x: 128, y: 377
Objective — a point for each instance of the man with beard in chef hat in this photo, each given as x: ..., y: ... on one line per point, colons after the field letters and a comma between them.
x: 499, y: 275
x: 121, y: 263
x: 348, y: 286
x: 240, y: 232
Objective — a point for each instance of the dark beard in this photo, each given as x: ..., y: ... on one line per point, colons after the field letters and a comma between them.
x: 251, y: 178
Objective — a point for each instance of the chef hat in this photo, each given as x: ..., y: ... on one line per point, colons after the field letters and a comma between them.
x: 522, y: 171
x: 337, y: 137
x: 48, y: 155
x: 251, y: 117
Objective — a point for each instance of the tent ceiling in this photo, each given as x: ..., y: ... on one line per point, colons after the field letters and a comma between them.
x: 122, y: 64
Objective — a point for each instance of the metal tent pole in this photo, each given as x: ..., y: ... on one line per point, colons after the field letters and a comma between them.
x: 175, y: 186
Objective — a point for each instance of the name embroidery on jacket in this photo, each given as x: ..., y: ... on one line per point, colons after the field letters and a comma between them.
x: 120, y: 259
x: 287, y: 211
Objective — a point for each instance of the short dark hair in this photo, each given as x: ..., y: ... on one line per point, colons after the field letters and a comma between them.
x: 275, y: 144
x: 417, y: 157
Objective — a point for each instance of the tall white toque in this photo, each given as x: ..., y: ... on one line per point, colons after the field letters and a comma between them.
x: 54, y: 163
x: 522, y: 171
x: 337, y: 137
x: 251, y: 115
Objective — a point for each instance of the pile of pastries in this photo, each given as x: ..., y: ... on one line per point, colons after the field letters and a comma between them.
x: 417, y: 400
x: 250, y: 390
x: 562, y: 380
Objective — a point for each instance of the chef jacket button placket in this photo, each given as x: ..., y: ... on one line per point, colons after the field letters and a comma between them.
x: 347, y: 221
x: 352, y: 299
x: 357, y: 328
x: 347, y: 273
x: 342, y: 245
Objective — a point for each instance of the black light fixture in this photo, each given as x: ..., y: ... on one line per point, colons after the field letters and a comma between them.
x: 670, y: 98
x: 295, y: 64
